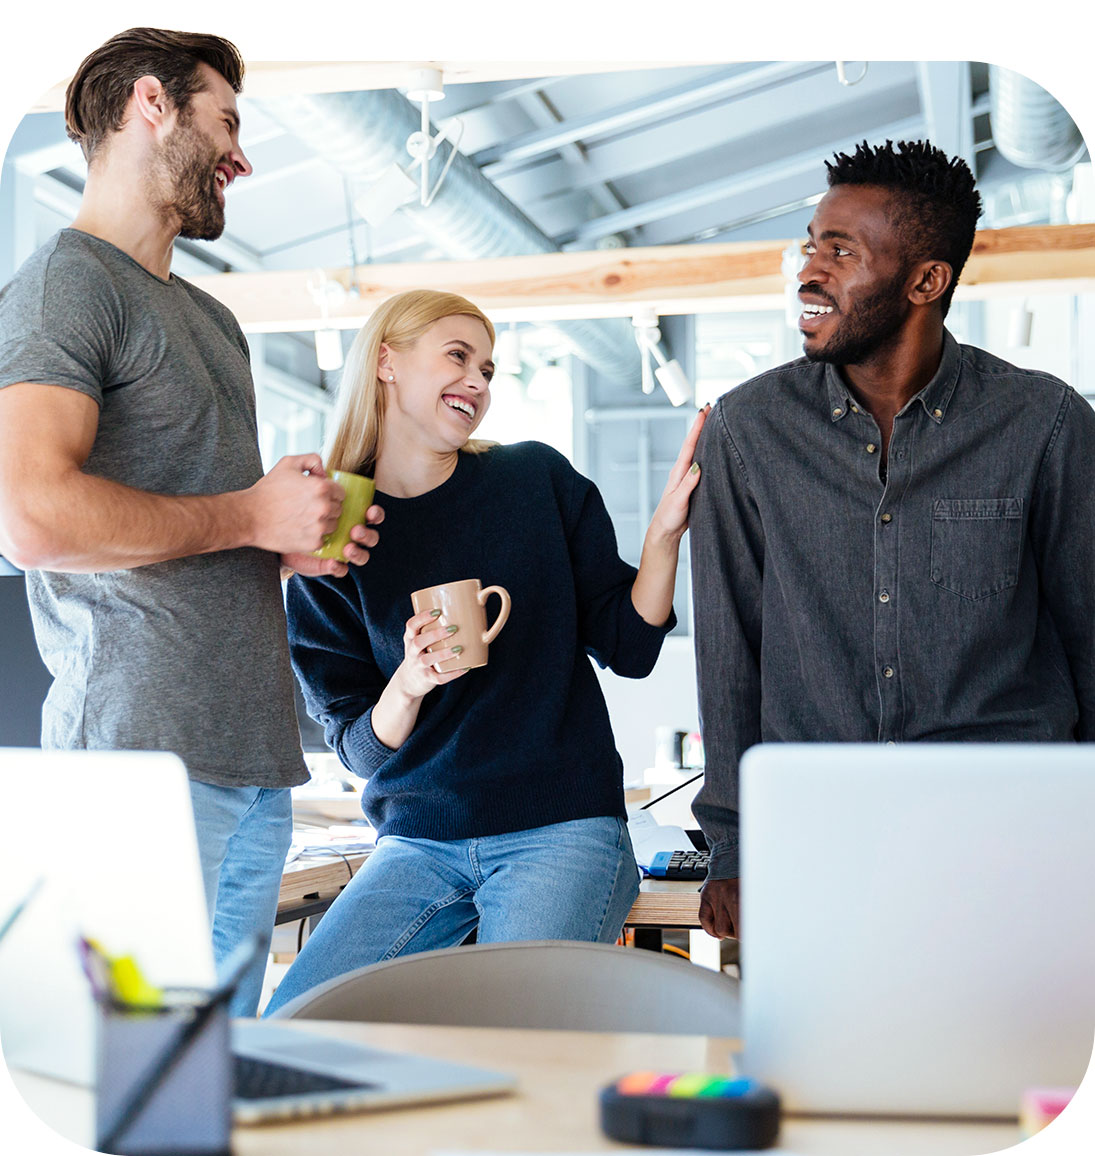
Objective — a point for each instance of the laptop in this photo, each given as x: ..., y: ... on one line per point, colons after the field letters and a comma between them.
x: 918, y: 924
x: 103, y: 844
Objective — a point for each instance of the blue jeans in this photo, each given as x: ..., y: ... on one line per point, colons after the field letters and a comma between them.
x: 243, y: 837
x: 574, y: 880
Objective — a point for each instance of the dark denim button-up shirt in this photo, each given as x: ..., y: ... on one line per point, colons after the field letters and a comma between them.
x: 952, y: 601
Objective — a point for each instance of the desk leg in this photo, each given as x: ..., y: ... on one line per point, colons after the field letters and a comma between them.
x: 648, y: 938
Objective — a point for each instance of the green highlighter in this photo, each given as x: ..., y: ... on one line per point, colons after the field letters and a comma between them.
x: 129, y: 986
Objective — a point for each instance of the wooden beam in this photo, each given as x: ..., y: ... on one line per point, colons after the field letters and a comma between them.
x: 728, y: 277
x: 274, y: 78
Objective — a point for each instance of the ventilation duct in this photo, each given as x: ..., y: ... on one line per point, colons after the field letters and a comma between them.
x: 362, y: 133
x: 1029, y: 127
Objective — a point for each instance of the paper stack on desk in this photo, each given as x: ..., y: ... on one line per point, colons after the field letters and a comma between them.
x: 648, y: 837
x: 334, y: 840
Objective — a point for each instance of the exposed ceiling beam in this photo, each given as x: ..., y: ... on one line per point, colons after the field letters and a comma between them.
x: 803, y: 165
x: 538, y: 107
x: 273, y: 78
x: 946, y: 96
x: 673, y: 279
x: 636, y: 113
x: 764, y: 126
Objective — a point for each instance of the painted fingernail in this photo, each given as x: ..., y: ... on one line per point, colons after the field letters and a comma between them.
x: 452, y: 629
x: 695, y: 468
x: 457, y: 650
x: 435, y: 613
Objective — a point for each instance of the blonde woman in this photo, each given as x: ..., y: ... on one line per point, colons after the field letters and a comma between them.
x: 496, y: 792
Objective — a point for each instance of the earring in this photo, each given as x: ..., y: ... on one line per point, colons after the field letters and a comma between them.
x: 391, y: 377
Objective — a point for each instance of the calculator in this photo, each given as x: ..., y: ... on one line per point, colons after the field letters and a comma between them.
x: 679, y: 865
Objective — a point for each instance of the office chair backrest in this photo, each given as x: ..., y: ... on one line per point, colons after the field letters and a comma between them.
x: 538, y: 984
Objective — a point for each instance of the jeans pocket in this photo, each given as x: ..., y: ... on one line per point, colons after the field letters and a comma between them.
x: 976, y: 545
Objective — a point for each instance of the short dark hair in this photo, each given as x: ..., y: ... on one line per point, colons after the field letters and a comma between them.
x: 935, y: 203
x: 97, y: 95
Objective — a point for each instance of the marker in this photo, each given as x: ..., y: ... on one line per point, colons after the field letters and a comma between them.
x: 118, y: 979
x: 129, y: 986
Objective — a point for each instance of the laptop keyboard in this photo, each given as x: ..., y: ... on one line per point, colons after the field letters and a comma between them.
x: 262, y: 1080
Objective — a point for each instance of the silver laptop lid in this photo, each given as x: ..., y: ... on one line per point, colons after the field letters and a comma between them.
x: 110, y: 837
x: 918, y: 924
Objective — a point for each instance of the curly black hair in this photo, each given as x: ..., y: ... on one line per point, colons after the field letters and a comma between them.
x: 935, y: 203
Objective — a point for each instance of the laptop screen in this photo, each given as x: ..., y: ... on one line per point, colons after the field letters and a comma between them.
x: 103, y: 844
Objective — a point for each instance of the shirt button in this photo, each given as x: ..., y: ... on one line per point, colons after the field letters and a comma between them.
x: 887, y: 672
x: 887, y: 518
x: 871, y: 447
x: 837, y: 412
x: 884, y: 596
x: 855, y: 409
x: 937, y: 412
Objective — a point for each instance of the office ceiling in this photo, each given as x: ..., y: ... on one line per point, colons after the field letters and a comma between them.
x: 651, y: 156
x: 578, y: 160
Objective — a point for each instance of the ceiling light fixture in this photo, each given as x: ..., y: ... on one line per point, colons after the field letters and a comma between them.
x: 842, y: 75
x: 668, y: 374
x: 1020, y: 324
x: 426, y: 86
x: 327, y: 294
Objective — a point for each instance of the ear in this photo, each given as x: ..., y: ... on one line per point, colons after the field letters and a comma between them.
x: 930, y: 280
x: 384, y: 362
x: 150, y: 102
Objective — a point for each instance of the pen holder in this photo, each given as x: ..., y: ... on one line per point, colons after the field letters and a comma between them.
x: 164, y: 1083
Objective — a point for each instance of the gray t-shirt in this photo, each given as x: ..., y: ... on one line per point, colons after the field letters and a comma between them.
x: 189, y: 655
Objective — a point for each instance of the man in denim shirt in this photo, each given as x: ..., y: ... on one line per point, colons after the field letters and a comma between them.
x: 895, y: 538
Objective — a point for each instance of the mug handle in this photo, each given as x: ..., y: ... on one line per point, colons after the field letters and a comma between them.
x: 490, y: 635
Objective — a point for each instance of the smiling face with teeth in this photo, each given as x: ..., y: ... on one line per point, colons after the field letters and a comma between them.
x: 199, y: 158
x: 856, y: 280
x: 442, y: 383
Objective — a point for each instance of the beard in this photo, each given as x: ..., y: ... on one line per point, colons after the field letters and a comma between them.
x: 867, y: 327
x: 188, y: 164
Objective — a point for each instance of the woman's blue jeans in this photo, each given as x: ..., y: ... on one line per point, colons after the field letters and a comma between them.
x: 574, y: 880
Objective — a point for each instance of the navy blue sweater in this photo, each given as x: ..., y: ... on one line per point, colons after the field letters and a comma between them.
x: 524, y: 741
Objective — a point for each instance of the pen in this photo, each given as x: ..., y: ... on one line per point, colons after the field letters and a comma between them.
x: 96, y: 968
x: 17, y: 910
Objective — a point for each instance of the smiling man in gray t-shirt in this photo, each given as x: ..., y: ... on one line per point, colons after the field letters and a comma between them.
x: 132, y: 488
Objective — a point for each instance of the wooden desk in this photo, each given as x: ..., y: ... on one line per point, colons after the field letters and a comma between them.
x: 318, y: 880
x: 554, y: 1109
x: 310, y: 885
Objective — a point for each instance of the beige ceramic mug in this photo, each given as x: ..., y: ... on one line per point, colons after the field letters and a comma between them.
x: 463, y: 605
x: 360, y: 491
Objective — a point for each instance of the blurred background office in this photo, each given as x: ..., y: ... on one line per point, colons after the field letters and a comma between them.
x: 652, y: 217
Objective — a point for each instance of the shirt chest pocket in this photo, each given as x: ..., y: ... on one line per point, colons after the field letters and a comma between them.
x: 976, y: 545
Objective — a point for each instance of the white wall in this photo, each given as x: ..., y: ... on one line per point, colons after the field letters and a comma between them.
x: 667, y: 697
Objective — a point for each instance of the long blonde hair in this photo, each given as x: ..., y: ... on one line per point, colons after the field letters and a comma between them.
x: 359, y: 412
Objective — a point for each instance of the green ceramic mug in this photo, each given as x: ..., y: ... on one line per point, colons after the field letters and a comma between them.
x: 359, y: 497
